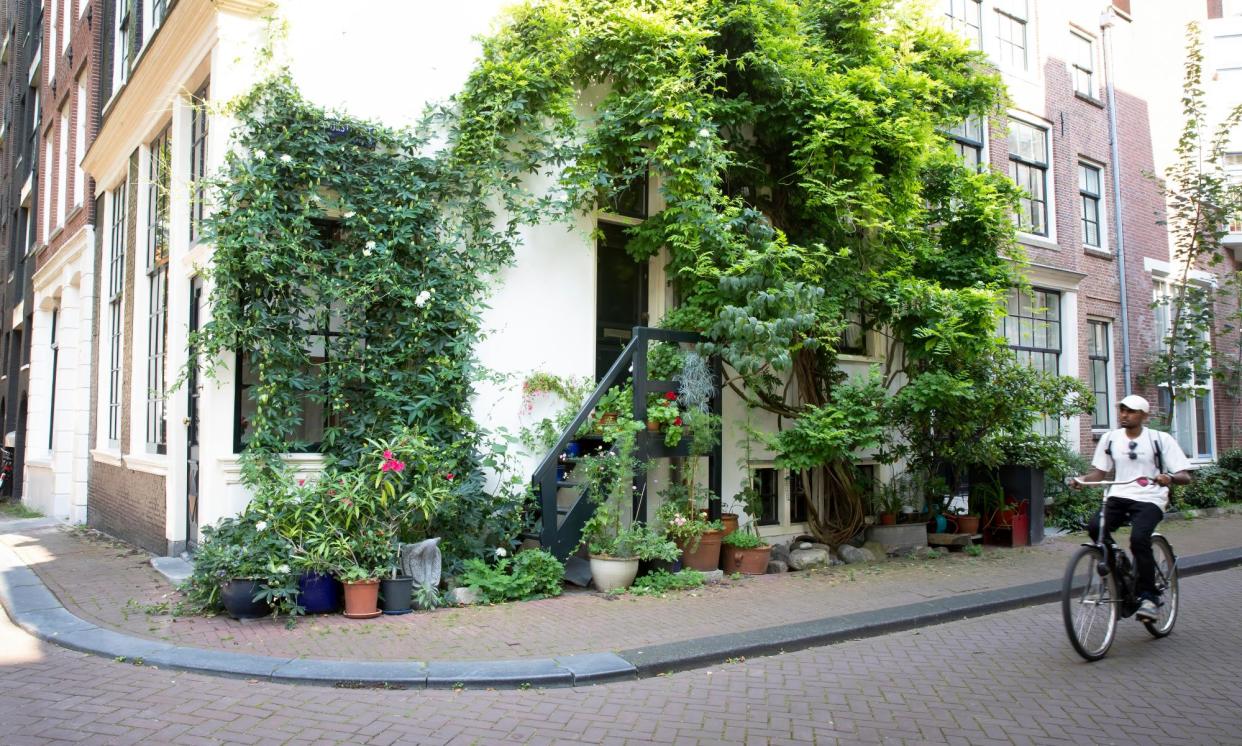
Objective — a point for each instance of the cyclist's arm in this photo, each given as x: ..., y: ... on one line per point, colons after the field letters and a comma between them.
x: 1095, y: 475
x: 1181, y: 477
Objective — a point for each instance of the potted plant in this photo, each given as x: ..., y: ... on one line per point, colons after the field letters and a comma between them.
x: 889, y: 501
x: 745, y: 551
x: 616, y: 401
x: 663, y: 415
x: 655, y: 551
x: 697, y: 537
x: 614, y: 562
x: 361, y: 591
x: 244, y: 562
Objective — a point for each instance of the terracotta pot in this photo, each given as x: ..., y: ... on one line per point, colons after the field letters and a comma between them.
x: 653, y: 426
x: 888, y: 519
x: 968, y: 524
x: 746, y: 561
x: 730, y: 522
x: 362, y: 599
x: 607, y: 418
x: 609, y: 573
x: 705, y: 555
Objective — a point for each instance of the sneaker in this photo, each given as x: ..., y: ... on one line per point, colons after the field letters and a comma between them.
x: 1147, y: 611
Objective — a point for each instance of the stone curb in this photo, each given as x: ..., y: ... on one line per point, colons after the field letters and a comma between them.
x: 35, y: 609
x: 656, y: 659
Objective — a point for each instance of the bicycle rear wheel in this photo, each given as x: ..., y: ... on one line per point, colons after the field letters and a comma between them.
x: 1166, y: 585
x: 1089, y: 604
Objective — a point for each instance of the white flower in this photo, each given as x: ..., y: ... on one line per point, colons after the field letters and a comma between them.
x: 500, y: 552
x: 370, y: 244
x: 283, y: 569
x: 421, y: 299
x: 286, y: 158
x: 259, y: 155
x: 366, y: 252
x: 261, y: 526
x: 349, y: 214
x: 705, y: 132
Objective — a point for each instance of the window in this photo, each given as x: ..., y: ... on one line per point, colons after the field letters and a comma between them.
x: 55, y: 348
x: 1032, y: 328
x: 798, y: 495
x: 1011, y: 17
x: 1028, y: 167
x: 321, y: 326
x: 1193, y: 422
x: 967, y: 140
x: 62, y: 172
x: 966, y: 18
x: 198, y: 160
x: 51, y: 58
x: 1099, y: 357
x: 116, y: 290
x: 159, y: 11
x: 79, y: 140
x: 854, y: 337
x: 157, y: 283
x: 46, y: 207
x: 1091, y: 194
x: 767, y: 484
x: 1082, y: 56
x: 123, y: 53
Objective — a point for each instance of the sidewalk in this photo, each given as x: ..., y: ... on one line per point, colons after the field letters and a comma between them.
x: 85, y: 591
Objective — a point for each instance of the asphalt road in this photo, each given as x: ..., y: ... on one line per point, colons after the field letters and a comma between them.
x: 1008, y: 678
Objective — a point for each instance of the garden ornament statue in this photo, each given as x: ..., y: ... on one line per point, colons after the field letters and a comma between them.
x: 421, y: 561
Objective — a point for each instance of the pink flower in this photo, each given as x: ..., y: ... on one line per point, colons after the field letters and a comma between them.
x: 398, y: 466
x: 388, y: 455
x: 301, y: 482
x: 449, y: 476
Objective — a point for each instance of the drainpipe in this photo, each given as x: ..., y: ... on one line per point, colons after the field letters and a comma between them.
x: 1107, y: 19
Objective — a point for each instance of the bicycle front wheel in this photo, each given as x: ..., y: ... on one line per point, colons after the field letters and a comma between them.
x: 1166, y: 585
x: 1089, y: 604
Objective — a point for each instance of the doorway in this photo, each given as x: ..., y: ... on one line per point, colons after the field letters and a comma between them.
x: 191, y: 436
x: 620, y: 296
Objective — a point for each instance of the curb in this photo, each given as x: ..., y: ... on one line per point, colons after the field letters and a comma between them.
x: 36, y: 610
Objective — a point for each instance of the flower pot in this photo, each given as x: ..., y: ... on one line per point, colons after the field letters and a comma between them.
x: 613, y: 572
x: 319, y: 593
x: 395, y: 594
x: 703, y: 555
x: 968, y: 524
x: 648, y: 567
x: 361, y: 598
x: 237, y: 595
x: 746, y: 561
x: 888, y: 519
x: 607, y: 418
x: 730, y: 523
x: 653, y: 426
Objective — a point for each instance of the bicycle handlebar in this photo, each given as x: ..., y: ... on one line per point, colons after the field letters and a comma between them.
x: 1142, y: 482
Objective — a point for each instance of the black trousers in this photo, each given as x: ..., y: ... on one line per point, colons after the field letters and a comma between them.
x: 1143, y: 518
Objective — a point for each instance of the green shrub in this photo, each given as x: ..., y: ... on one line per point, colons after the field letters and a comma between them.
x: 1072, y: 509
x: 532, y: 574
x: 1206, y: 489
x: 660, y: 582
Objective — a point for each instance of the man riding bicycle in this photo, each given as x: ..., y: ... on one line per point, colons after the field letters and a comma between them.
x: 1132, y: 452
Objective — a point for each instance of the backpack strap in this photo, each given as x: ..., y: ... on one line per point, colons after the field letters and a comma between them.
x: 1108, y: 446
x: 1155, y: 446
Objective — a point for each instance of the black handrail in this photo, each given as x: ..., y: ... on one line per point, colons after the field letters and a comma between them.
x: 561, y: 536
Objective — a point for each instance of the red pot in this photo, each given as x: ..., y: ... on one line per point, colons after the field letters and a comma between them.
x: 746, y: 561
x: 704, y: 555
x: 362, y: 599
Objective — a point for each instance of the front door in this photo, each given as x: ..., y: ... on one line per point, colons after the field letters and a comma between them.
x: 191, y: 421
x: 620, y: 296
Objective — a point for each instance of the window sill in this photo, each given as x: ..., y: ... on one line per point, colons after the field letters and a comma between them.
x: 853, y: 358
x: 109, y: 457
x: 43, y: 461
x: 1039, y: 242
x: 1089, y: 99
x: 153, y: 464
x: 1100, y: 253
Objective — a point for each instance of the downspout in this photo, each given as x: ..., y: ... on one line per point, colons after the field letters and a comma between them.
x: 1107, y: 19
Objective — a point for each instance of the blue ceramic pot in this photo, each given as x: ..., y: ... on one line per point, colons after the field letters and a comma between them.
x: 319, y: 593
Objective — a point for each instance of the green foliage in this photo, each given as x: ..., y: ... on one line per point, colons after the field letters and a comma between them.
x: 540, y: 436
x: 244, y: 547
x: 851, y: 421
x: 531, y: 574
x: 1210, y: 487
x: 660, y: 582
x: 744, y: 540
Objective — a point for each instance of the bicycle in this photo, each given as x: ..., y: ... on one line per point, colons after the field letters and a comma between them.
x: 1099, y: 588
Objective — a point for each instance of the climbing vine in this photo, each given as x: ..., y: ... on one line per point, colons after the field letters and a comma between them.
x: 799, y: 148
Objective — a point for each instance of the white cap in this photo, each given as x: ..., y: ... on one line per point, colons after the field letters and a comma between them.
x: 1135, y: 402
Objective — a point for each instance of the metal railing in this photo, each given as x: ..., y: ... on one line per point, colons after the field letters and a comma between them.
x: 561, y: 527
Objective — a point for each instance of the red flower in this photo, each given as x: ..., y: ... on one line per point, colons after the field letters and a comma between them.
x: 671, y: 396
x: 449, y: 476
x: 677, y: 421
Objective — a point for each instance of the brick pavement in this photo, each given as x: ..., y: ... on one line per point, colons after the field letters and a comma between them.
x: 109, y: 583
x: 1004, y: 679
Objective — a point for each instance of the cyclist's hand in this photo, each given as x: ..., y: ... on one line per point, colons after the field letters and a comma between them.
x: 1164, y: 480
x: 1075, y: 483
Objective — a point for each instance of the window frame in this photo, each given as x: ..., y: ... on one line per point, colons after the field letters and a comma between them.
x: 1094, y: 200
x: 54, y: 347
x: 1008, y: 17
x: 1162, y: 292
x: 961, y: 140
x: 159, y: 182
x: 961, y: 25
x: 1100, y: 365
x: 1020, y: 164
x: 116, y: 294
x: 1082, y: 78
x: 1025, y: 353
x: 200, y: 127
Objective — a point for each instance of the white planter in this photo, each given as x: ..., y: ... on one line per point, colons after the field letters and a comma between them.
x: 610, y: 573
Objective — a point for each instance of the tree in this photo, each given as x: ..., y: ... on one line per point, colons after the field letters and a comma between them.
x: 1201, y: 202
x: 798, y: 146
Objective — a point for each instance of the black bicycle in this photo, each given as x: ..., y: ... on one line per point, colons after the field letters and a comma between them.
x: 1099, y: 589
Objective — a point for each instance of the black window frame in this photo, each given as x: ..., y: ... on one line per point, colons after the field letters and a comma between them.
x: 767, y: 483
x: 1099, y: 357
x: 1092, y: 204
x: 116, y: 293
x: 199, y: 128
x: 963, y: 142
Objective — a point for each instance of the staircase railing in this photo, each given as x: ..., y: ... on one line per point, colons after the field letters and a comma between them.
x: 561, y: 527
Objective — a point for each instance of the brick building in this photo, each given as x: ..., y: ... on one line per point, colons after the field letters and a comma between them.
x: 62, y: 300
x: 20, y: 87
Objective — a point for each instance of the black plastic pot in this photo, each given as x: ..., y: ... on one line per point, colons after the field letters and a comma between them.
x: 237, y: 595
x: 395, y: 594
x: 647, y: 567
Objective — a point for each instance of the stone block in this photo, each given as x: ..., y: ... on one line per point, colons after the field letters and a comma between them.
x: 899, y: 539
x: 775, y: 567
x: 806, y: 559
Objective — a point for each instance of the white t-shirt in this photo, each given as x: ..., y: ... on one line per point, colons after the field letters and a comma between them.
x: 1126, y: 468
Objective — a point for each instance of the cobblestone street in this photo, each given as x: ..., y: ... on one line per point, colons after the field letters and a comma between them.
x: 1007, y: 678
